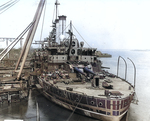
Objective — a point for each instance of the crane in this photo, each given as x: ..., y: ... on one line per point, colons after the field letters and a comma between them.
x: 29, y: 38
x: 32, y: 29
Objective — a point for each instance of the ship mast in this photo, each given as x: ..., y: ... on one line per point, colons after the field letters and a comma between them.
x: 57, y: 3
x: 71, y: 34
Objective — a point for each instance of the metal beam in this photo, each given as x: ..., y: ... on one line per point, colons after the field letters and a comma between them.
x: 134, y: 72
x: 11, y: 45
x: 27, y: 39
x: 37, y: 18
x: 125, y: 67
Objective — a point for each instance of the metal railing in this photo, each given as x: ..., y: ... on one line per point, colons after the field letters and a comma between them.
x: 126, y: 69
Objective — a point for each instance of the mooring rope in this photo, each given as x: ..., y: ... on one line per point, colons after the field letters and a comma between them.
x: 74, y: 109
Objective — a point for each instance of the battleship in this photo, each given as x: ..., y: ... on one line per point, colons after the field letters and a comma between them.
x: 67, y: 73
x: 73, y: 77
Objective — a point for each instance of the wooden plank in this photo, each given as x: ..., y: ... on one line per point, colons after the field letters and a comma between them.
x: 8, y: 79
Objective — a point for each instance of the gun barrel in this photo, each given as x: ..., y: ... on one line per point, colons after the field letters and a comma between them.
x: 78, y: 70
x: 86, y: 70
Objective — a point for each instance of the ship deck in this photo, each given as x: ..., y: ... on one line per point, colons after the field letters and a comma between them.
x: 121, y: 88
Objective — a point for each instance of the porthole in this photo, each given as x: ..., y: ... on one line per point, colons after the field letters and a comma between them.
x: 72, y: 51
x: 92, y: 102
x: 100, y: 104
x: 66, y: 43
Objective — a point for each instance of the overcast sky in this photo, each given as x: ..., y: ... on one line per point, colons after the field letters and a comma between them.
x: 104, y: 24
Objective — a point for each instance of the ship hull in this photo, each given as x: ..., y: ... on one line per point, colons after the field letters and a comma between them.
x: 75, y: 108
x: 83, y: 111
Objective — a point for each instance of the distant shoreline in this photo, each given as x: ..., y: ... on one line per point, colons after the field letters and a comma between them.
x: 140, y: 50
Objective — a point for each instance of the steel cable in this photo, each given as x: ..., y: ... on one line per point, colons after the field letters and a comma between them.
x: 81, y: 36
x: 7, y: 6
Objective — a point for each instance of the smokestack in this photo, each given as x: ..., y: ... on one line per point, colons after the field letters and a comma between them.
x: 57, y: 30
x: 62, y: 26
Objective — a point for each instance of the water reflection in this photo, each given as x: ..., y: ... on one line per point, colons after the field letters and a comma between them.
x: 48, y: 110
x: 13, y: 111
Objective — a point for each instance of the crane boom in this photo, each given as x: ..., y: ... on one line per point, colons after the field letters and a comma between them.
x: 31, y: 34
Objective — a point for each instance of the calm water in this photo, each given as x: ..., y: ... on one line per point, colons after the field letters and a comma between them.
x: 49, y: 111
